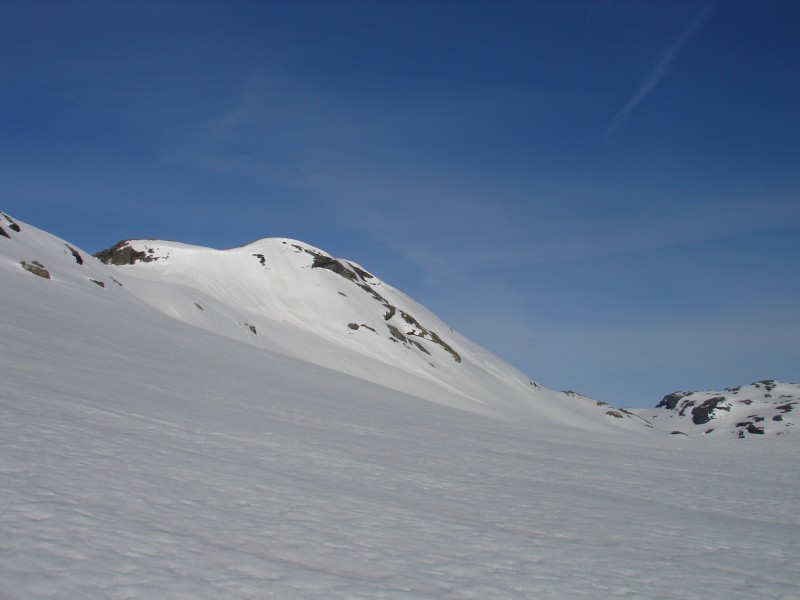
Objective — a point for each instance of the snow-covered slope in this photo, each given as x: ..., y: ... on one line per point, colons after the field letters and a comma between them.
x: 293, y: 298
x: 762, y: 408
x: 144, y: 456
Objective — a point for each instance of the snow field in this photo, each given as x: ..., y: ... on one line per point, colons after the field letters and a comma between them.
x: 144, y: 457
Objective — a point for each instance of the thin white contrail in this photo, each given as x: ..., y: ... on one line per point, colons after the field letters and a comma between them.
x: 660, y: 69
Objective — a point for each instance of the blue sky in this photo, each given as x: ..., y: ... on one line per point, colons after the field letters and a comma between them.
x: 604, y: 193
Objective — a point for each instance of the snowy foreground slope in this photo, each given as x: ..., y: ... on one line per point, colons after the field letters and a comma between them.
x: 142, y: 456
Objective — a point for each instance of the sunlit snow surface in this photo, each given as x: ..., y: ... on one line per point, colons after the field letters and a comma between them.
x: 142, y: 457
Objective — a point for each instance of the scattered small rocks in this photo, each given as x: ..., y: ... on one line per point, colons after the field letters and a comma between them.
x: 261, y: 259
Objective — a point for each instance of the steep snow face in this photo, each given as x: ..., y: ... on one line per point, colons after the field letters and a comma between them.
x: 762, y: 408
x: 289, y: 296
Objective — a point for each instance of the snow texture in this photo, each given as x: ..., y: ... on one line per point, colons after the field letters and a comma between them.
x: 153, y: 446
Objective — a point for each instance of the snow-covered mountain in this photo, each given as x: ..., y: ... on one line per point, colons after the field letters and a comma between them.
x: 208, y: 424
x: 764, y: 407
x: 292, y: 298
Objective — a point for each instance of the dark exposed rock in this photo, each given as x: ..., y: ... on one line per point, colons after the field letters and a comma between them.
x: 10, y: 222
x: 252, y: 328
x: 361, y: 272
x: 261, y: 259
x: 613, y: 413
x: 198, y: 306
x: 785, y: 408
x: 769, y: 384
x: 36, y: 268
x: 122, y: 253
x: 425, y: 333
x: 3, y: 233
x: 371, y: 291
x: 705, y: 412
x: 75, y: 254
x: 751, y: 428
x: 353, y: 326
x: 685, y: 405
x: 322, y: 261
x: 396, y: 334
x: 777, y: 418
x: 390, y: 311
x: 358, y: 276
x: 670, y: 401
x: 437, y: 340
x: 96, y: 282
x: 355, y: 274
x: 677, y: 433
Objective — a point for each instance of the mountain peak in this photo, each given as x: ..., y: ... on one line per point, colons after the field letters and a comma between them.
x: 289, y: 299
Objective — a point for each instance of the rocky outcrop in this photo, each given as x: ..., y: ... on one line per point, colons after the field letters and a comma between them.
x: 36, y: 268
x: 122, y: 253
x: 705, y: 412
x: 75, y: 254
x: 760, y: 408
x: 10, y: 223
x: 670, y: 401
x: 359, y: 276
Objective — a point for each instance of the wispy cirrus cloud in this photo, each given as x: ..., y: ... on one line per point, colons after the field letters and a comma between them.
x: 660, y: 69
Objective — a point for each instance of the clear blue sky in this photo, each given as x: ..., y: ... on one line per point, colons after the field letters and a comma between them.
x: 604, y: 193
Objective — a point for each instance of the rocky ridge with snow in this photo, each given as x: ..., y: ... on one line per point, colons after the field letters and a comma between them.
x: 764, y: 407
